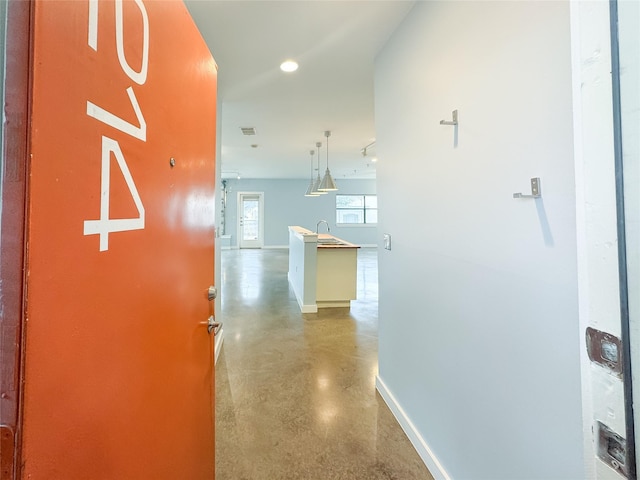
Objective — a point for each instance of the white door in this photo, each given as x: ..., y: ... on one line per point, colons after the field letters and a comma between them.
x: 250, y: 219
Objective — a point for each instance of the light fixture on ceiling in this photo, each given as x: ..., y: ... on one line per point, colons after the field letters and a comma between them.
x: 289, y: 66
x: 365, y: 150
x: 310, y: 192
x: 328, y: 183
x: 316, y: 184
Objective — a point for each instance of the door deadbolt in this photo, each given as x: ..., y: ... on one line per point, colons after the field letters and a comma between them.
x: 212, y: 293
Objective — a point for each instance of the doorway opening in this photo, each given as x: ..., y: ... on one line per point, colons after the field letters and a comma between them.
x: 250, y: 219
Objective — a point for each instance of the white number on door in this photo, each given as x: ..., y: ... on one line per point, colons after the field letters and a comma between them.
x: 105, y: 225
x: 116, y: 122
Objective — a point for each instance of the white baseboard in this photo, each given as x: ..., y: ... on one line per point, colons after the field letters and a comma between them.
x: 303, y: 308
x: 435, y: 467
x: 217, y: 345
x: 308, y: 308
x: 268, y: 247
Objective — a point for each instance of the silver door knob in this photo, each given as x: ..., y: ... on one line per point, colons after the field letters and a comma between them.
x: 212, y: 325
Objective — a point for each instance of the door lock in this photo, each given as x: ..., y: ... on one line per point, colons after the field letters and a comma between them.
x: 213, y: 326
x: 212, y: 293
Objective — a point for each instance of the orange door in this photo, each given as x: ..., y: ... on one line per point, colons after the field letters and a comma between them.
x: 118, y: 363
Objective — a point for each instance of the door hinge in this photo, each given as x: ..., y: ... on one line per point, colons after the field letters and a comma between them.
x: 605, y: 350
x: 7, y: 447
x: 612, y: 449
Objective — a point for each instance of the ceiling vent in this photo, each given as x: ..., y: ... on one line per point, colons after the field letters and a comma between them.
x: 248, y: 130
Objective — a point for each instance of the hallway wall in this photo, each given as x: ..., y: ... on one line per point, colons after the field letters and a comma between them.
x: 285, y: 204
x: 478, y: 341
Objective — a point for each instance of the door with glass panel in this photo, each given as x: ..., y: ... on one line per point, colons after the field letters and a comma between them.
x: 250, y: 219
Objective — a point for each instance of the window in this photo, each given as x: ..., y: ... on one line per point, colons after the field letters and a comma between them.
x: 356, y: 209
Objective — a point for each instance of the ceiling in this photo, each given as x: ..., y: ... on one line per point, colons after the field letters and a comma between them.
x: 335, y: 44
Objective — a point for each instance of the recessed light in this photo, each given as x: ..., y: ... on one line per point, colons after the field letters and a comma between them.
x: 289, y: 66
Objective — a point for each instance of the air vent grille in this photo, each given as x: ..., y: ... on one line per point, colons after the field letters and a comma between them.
x: 248, y: 130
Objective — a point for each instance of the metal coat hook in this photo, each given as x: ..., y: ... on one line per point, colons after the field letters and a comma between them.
x: 535, y: 190
x: 454, y: 114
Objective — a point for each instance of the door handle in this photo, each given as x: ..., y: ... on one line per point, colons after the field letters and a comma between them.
x: 216, y: 328
x: 213, y: 326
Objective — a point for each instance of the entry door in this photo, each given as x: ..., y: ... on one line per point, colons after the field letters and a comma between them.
x: 250, y: 220
x: 118, y: 361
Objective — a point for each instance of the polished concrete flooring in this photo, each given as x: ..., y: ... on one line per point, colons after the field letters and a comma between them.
x: 295, y: 393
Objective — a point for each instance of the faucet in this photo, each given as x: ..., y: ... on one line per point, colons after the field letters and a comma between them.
x: 326, y: 223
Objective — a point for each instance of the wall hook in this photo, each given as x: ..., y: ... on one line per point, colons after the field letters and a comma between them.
x: 454, y: 114
x: 535, y: 190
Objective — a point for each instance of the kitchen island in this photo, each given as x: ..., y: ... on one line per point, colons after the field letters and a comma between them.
x: 322, y: 269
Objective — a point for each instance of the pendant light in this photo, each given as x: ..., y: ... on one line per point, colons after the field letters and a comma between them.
x: 316, y: 184
x: 328, y: 183
x: 310, y: 192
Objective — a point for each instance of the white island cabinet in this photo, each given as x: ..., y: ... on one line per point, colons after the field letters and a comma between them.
x: 322, y: 269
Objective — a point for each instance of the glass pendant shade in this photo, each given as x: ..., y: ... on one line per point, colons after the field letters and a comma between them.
x: 328, y: 184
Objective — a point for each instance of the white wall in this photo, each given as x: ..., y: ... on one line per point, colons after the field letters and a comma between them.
x: 478, y: 336
x: 285, y: 204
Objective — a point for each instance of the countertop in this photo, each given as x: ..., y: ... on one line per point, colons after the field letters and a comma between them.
x: 308, y: 236
x: 342, y: 244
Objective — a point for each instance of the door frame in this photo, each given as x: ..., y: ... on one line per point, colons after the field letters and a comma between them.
x: 622, y: 105
x: 260, y: 196
x: 14, y: 93
x: 602, y: 299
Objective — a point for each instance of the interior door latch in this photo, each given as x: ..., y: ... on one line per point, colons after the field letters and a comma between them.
x: 213, y: 326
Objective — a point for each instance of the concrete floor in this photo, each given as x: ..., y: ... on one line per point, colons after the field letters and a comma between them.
x: 295, y: 394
